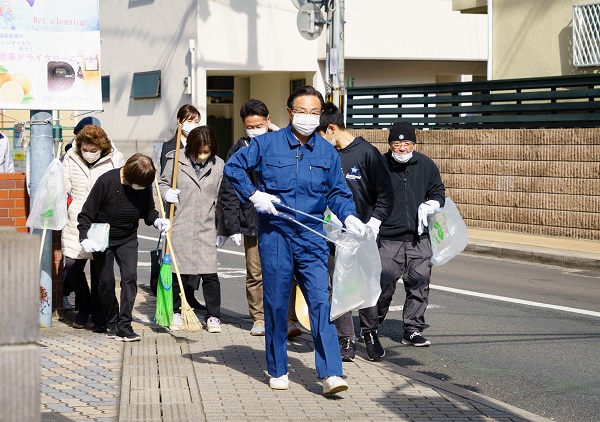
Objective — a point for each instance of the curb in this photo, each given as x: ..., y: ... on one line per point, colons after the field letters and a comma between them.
x: 535, y: 254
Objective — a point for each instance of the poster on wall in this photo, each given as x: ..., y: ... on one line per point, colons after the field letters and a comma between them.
x: 50, y: 55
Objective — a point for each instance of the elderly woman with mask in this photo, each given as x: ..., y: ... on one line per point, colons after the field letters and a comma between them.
x: 120, y: 197
x: 194, y: 233
x: 93, y: 155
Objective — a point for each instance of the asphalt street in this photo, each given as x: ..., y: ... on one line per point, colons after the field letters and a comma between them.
x: 538, y: 358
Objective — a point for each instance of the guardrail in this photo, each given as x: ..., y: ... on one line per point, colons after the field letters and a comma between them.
x: 550, y: 102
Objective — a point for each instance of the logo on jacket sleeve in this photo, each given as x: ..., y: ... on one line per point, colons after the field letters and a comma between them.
x: 353, y: 174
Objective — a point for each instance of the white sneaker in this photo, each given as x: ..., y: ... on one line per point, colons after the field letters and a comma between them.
x: 279, y: 383
x: 213, y: 325
x: 334, y: 384
x: 66, y: 304
x: 177, y: 323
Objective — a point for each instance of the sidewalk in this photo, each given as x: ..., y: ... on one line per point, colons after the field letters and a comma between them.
x: 563, y: 252
x: 179, y: 376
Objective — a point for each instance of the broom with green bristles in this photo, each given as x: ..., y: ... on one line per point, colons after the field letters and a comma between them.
x: 164, y: 291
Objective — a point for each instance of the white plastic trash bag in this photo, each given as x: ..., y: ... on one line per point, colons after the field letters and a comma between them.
x: 49, y: 209
x: 447, y: 232
x: 356, y: 283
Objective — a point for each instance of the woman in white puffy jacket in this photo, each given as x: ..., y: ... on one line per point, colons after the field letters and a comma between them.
x: 92, y: 155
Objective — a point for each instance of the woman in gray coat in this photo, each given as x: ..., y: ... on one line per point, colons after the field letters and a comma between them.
x: 194, y: 232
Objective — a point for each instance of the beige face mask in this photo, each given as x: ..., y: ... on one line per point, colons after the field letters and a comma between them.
x: 202, y: 158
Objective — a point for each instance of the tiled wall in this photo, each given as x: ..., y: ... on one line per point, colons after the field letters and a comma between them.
x: 538, y: 181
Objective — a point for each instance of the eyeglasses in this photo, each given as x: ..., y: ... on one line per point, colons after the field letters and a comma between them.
x: 405, y: 145
x: 313, y: 112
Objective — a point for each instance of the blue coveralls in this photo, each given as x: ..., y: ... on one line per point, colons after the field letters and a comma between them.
x: 308, y: 178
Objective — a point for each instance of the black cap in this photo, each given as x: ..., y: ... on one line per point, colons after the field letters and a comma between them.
x: 402, y: 132
x: 84, y: 122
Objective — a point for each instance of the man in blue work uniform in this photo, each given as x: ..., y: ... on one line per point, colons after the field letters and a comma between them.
x: 300, y: 169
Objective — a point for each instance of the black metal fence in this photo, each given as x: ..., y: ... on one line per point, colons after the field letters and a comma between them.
x: 551, y: 102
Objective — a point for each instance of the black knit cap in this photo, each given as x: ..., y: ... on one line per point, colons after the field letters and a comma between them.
x: 402, y: 132
x: 84, y: 122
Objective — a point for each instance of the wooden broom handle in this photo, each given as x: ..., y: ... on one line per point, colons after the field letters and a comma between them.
x: 174, y: 180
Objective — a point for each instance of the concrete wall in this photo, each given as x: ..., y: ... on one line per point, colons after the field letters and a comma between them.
x: 533, y: 38
x: 19, y: 353
x: 541, y: 181
x: 413, y: 30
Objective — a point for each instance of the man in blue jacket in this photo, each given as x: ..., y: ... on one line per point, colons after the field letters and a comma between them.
x: 300, y: 169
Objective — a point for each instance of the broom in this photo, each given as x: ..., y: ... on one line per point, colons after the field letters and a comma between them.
x: 188, y: 316
x: 164, y: 293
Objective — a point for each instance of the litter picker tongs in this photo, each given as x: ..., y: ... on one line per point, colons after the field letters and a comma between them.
x: 290, y: 218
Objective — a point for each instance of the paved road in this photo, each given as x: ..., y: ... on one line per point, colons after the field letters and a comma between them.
x: 539, y: 359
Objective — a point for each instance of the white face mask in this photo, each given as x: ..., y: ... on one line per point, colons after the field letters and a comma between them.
x: 401, y: 158
x: 305, y: 124
x: 137, y: 187
x: 91, y: 157
x: 256, y: 132
x: 332, y: 142
x: 187, y: 127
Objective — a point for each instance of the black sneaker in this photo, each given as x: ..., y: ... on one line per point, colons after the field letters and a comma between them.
x: 111, y: 331
x: 99, y: 327
x: 415, y: 339
x: 347, y: 349
x: 374, y: 348
x: 126, y: 333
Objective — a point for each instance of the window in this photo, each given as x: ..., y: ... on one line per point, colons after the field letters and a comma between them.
x: 586, y: 34
x: 106, y: 88
x: 146, y: 84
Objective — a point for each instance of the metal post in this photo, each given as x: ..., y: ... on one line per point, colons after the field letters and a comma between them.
x: 41, y: 149
x: 335, y: 53
x: 341, y: 59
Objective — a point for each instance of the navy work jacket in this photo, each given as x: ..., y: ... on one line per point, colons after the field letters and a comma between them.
x: 306, y: 177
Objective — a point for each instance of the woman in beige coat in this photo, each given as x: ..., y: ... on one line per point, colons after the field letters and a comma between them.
x: 194, y: 233
x: 92, y: 155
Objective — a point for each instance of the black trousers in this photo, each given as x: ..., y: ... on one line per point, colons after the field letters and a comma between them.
x: 87, y: 297
x: 211, y: 289
x: 410, y: 261
x: 126, y: 256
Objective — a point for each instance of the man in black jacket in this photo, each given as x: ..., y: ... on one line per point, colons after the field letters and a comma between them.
x: 240, y: 219
x: 405, y: 249
x: 365, y: 171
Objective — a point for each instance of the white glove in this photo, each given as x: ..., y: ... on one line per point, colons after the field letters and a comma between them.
x: 263, y: 202
x: 355, y: 225
x: 374, y: 224
x: 220, y: 241
x: 89, y: 246
x: 236, y: 238
x: 425, y: 209
x: 162, y: 224
x: 172, y: 196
